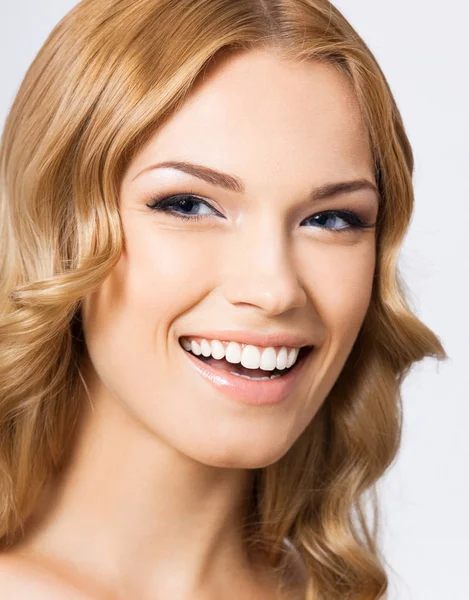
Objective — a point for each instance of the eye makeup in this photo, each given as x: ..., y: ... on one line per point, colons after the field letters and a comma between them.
x: 169, y: 204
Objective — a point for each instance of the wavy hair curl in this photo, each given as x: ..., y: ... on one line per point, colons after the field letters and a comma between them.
x: 106, y: 78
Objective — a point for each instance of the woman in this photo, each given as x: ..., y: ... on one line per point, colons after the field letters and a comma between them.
x: 203, y: 328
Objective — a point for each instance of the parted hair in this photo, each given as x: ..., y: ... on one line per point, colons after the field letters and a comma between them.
x: 106, y: 78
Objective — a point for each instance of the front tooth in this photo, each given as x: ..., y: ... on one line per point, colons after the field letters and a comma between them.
x: 250, y: 357
x: 268, y: 359
x: 195, y: 348
x: 218, y: 351
x: 282, y: 358
x: 292, y: 356
x: 233, y: 353
x: 205, y: 347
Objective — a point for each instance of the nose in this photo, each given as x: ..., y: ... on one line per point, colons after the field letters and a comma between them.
x: 261, y: 272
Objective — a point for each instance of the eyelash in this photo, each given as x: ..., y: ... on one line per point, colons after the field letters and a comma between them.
x: 164, y: 203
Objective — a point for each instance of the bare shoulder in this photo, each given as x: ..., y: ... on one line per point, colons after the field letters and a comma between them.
x: 22, y: 579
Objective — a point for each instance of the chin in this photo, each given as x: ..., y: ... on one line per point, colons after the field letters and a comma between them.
x: 240, y: 453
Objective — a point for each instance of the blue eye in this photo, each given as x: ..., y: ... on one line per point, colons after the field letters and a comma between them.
x: 186, y: 202
x: 349, y: 219
x: 190, y: 205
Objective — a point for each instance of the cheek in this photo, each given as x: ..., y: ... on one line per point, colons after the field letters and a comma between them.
x: 163, y: 270
x: 158, y: 277
x: 339, y: 281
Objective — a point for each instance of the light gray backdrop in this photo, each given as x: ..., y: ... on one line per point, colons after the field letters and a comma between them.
x: 424, y: 54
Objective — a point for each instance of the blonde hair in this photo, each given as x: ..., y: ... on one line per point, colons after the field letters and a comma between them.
x: 106, y: 78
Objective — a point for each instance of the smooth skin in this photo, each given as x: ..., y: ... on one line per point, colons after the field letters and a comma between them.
x: 150, y: 507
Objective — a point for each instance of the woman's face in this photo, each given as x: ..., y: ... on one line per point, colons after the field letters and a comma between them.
x: 264, y: 257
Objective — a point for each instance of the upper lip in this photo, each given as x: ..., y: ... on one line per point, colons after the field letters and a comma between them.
x: 277, y: 338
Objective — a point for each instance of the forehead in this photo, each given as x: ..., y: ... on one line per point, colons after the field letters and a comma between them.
x: 257, y: 114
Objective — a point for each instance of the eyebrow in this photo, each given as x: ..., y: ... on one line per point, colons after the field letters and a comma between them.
x: 234, y: 184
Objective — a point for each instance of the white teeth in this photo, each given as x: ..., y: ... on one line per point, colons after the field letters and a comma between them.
x: 233, y: 353
x: 256, y: 378
x: 251, y: 357
x: 218, y: 351
x: 206, y: 348
x: 268, y: 359
x: 186, y: 344
x: 292, y: 356
x: 195, y: 348
x: 282, y: 357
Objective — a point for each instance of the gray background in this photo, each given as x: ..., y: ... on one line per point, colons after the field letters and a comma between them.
x: 424, y: 55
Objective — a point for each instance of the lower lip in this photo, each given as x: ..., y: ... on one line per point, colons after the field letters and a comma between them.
x: 257, y: 393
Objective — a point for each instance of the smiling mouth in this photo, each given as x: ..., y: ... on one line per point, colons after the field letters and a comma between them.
x: 254, y: 374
